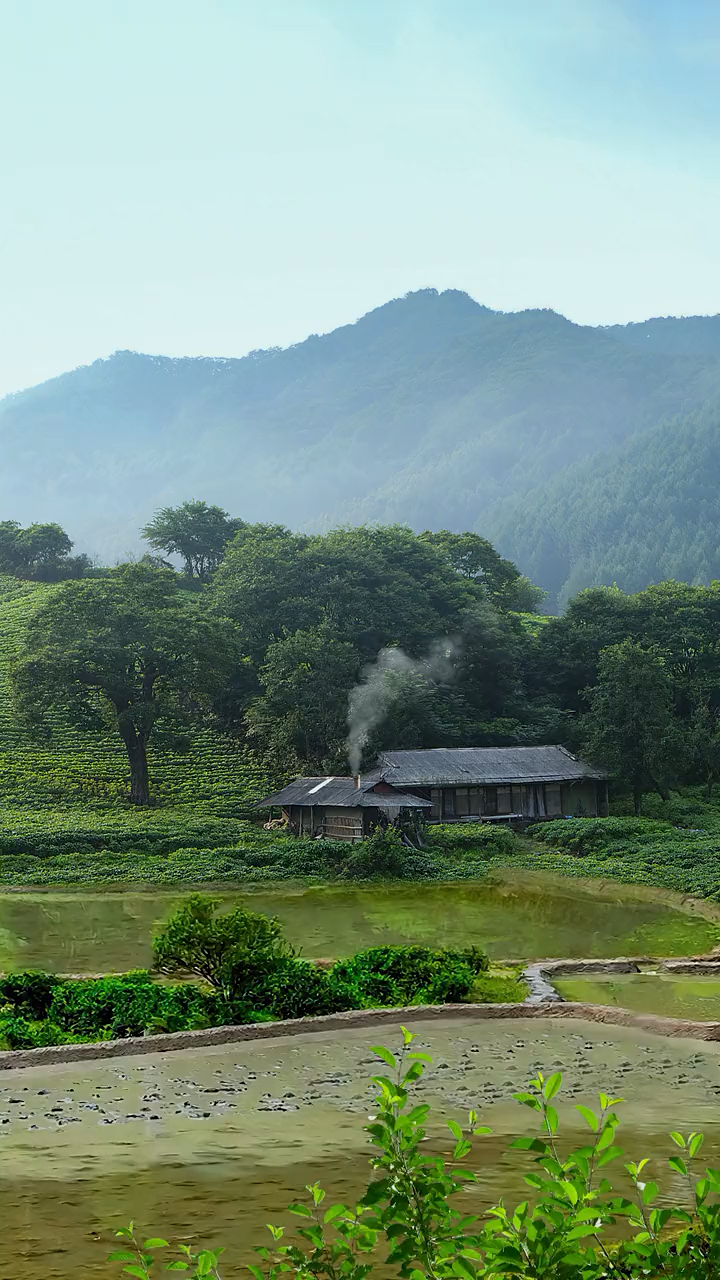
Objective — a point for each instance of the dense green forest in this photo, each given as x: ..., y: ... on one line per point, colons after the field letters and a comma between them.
x: 144, y: 710
x: 587, y: 454
x: 293, y: 652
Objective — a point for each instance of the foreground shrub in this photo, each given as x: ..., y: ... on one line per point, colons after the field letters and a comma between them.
x: 413, y: 1222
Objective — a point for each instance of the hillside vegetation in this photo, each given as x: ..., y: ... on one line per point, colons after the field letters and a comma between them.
x: 65, y: 793
x: 551, y: 438
x: 303, y: 653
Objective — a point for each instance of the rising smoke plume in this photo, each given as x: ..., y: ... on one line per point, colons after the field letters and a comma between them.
x: 370, y: 701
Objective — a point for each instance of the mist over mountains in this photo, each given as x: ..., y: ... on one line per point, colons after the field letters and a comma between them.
x: 587, y: 454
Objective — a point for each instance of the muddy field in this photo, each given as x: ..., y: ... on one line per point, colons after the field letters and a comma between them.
x: 213, y: 1143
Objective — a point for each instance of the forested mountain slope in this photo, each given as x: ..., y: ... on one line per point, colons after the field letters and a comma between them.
x: 432, y: 410
x: 641, y: 513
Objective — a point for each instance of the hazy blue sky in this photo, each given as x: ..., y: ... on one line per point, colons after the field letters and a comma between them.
x: 208, y: 176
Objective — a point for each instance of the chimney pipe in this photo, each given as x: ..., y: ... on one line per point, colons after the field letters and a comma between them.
x: 356, y: 780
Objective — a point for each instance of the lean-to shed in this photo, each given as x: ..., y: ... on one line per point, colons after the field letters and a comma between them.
x: 343, y: 808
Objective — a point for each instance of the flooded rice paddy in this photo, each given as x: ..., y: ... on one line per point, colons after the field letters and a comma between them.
x: 523, y: 915
x: 674, y: 996
x: 211, y: 1144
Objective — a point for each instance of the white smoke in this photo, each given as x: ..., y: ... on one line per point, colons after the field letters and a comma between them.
x: 370, y: 701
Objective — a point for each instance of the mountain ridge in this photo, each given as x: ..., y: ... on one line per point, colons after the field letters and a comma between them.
x: 431, y: 409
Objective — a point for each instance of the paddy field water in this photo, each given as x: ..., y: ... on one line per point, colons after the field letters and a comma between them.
x: 210, y: 1145
x: 520, y: 915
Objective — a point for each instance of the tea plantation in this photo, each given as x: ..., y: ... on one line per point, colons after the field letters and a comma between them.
x: 64, y: 816
x: 65, y: 819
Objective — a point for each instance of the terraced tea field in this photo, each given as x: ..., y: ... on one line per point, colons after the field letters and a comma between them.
x: 60, y: 788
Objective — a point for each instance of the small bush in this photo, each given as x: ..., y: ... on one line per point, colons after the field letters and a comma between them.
x: 403, y: 975
x: 384, y: 856
x: 112, y: 1008
x: 29, y: 993
x: 297, y: 989
x: 229, y: 950
x: 476, y: 838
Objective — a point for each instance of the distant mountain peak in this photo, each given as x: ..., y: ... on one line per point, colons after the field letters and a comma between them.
x: 432, y: 409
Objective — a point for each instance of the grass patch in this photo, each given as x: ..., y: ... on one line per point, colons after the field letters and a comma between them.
x: 498, y: 986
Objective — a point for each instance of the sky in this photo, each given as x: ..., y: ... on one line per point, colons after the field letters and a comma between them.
x: 207, y: 177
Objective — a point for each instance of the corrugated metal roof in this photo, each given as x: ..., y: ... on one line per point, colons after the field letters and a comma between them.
x: 342, y: 793
x: 467, y: 766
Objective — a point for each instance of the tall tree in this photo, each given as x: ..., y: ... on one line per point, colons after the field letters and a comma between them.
x: 40, y: 552
x: 375, y: 586
x: 475, y: 558
x: 300, y: 716
x: 704, y: 738
x: 131, y: 647
x: 196, y: 532
x: 631, y: 728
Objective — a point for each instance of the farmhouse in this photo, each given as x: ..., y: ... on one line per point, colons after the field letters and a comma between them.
x: 343, y: 808
x: 446, y: 784
x: 496, y: 783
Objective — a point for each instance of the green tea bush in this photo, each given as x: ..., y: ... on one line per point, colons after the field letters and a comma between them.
x: 17, y: 1032
x: 384, y: 856
x: 635, y: 850
x: 478, y: 839
x: 687, y: 808
x: 111, y: 1008
x: 403, y: 975
x: 592, y: 835
x: 298, y: 989
x: 29, y: 994
x: 38, y: 1009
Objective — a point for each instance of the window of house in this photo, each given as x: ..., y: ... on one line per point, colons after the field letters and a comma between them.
x: 436, y: 799
x: 448, y: 804
x: 490, y: 800
x: 462, y: 802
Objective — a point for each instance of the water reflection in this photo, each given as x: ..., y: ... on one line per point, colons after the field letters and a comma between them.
x: 525, y: 916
